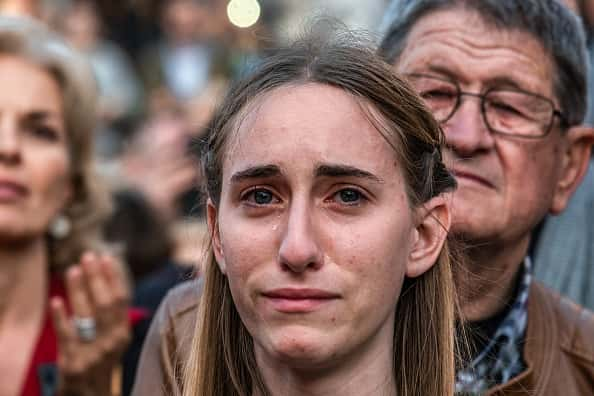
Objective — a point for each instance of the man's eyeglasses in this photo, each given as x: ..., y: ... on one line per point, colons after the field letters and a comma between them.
x: 505, y: 111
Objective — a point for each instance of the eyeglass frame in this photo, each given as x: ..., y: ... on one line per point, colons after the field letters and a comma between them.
x: 555, y: 112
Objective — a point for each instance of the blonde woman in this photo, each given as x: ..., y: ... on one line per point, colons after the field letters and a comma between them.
x: 63, y: 318
x: 329, y: 270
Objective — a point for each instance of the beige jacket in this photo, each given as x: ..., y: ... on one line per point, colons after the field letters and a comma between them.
x: 559, y: 349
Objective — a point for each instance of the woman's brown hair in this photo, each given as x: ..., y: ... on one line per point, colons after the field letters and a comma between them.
x: 222, y: 358
x: 90, y: 203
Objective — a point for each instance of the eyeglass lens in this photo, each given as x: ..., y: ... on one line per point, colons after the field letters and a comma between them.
x: 505, y: 111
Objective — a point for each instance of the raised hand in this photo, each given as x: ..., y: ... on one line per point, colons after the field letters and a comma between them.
x: 92, y: 338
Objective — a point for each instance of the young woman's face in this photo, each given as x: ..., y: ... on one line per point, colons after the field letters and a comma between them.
x: 314, y: 230
x: 34, y: 160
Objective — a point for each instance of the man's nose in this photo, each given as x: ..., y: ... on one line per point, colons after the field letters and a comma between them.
x: 10, y: 142
x: 299, y: 249
x: 466, y: 131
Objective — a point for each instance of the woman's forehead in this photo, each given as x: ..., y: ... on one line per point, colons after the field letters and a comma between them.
x: 311, y: 122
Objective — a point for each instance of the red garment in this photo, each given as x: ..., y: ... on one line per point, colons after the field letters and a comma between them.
x: 46, y: 350
x: 45, y: 354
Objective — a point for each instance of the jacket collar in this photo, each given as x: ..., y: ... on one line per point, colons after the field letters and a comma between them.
x: 540, y: 349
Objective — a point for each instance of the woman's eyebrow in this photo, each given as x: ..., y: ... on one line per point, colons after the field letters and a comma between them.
x: 40, y: 115
x: 256, y: 172
x: 339, y: 170
x: 324, y: 170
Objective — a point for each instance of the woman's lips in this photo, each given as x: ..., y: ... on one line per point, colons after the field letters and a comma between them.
x: 11, y: 191
x: 297, y: 300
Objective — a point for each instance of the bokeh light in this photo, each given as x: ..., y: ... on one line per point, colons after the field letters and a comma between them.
x: 243, y: 13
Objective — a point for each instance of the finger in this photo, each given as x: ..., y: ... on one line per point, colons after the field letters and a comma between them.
x: 98, y: 289
x: 119, y: 287
x: 115, y: 279
x: 116, y: 313
x: 118, y: 334
x: 71, y: 371
x: 65, y: 331
x: 105, y: 304
x: 77, y: 293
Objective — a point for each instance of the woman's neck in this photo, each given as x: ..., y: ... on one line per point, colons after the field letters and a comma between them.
x: 23, y: 281
x: 368, y: 371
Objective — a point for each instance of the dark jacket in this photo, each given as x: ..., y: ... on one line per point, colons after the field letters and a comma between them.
x: 559, y: 349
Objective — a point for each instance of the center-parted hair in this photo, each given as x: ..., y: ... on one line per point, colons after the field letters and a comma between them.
x: 222, y: 359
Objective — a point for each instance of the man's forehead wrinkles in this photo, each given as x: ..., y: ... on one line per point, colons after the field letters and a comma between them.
x: 511, y: 54
x: 480, y: 43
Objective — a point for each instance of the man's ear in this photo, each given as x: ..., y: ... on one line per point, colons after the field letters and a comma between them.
x: 433, y: 223
x: 574, y: 161
x: 215, y: 236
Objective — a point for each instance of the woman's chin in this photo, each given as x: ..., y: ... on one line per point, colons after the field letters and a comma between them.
x: 302, y: 348
x: 17, y: 235
x: 16, y: 226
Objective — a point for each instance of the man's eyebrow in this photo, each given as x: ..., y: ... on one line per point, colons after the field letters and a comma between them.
x: 443, y: 71
x: 256, y: 172
x: 338, y: 170
x: 506, y: 82
x: 495, y: 82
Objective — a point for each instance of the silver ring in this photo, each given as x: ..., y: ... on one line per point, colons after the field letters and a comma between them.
x: 86, y: 328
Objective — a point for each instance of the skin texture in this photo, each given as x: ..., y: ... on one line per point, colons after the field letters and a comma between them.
x: 506, y: 185
x: 35, y: 185
x: 306, y: 235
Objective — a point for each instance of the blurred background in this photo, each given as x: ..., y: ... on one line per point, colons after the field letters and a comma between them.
x: 161, y: 67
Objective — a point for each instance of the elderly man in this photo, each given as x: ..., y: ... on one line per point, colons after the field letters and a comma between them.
x: 507, y: 80
x: 569, y: 238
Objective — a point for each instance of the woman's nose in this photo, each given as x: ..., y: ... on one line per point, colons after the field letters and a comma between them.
x: 299, y: 249
x: 10, y: 145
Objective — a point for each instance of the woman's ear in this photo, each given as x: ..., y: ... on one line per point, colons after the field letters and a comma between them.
x: 215, y: 236
x: 433, y: 224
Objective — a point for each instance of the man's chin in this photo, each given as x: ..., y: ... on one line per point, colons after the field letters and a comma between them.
x: 472, y: 232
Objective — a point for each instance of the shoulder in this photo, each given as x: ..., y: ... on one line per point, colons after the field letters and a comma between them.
x: 575, y: 323
x: 184, y: 297
x: 179, y: 307
x: 172, y: 329
x: 168, y: 341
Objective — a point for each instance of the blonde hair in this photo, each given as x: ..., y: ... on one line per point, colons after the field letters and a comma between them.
x: 222, y: 359
x: 89, y: 206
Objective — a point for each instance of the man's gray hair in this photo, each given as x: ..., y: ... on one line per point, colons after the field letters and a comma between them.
x: 558, y: 30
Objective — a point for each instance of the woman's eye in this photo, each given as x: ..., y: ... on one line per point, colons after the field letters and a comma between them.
x: 260, y: 196
x: 45, y: 132
x: 349, y: 196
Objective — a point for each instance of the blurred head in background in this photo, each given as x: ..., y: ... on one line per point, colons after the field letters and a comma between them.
x: 47, y: 118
